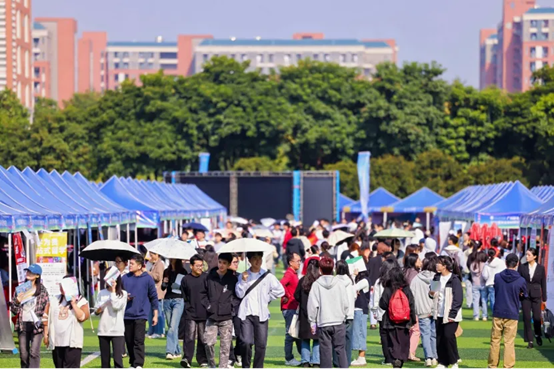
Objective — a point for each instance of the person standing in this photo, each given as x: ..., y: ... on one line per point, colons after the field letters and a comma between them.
x: 220, y: 301
x: 361, y: 311
x: 510, y: 288
x: 328, y: 308
x: 343, y: 274
x: 257, y: 288
x: 476, y: 264
x: 310, y: 357
x: 412, y: 266
x: 448, y: 310
x: 142, y: 298
x: 157, y: 272
x: 535, y: 276
x: 289, y: 305
x: 31, y: 320
x: 193, y: 287
x: 66, y: 314
x: 295, y: 245
x: 235, y: 352
x: 110, y: 306
x: 173, y: 306
x: 493, y: 266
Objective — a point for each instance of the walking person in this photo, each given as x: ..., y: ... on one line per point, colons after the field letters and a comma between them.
x: 412, y: 265
x: 142, y: 298
x: 173, y: 306
x: 448, y: 310
x: 122, y: 264
x: 425, y: 311
x: 32, y: 323
x: 309, y: 353
x: 157, y: 273
x: 397, y: 302
x: 535, y: 276
x: 110, y: 306
x: 510, y: 288
x: 193, y: 287
x: 66, y: 314
x: 476, y: 264
x: 361, y: 311
x: 328, y: 308
x: 235, y: 352
x: 289, y: 305
x: 220, y: 301
x: 493, y: 266
x: 343, y: 274
x: 257, y: 288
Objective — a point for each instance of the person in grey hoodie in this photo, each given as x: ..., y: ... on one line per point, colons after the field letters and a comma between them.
x: 328, y: 306
x: 425, y: 309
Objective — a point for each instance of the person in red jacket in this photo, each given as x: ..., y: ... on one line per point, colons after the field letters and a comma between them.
x: 289, y: 306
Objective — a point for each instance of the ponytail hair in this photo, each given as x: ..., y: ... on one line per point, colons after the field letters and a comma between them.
x: 450, y: 265
x: 492, y: 255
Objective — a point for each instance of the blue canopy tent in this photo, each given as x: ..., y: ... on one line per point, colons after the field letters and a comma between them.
x: 543, y: 215
x: 377, y: 199
x: 544, y: 193
x: 421, y: 201
x: 344, y: 201
x: 172, y: 210
x: 200, y: 197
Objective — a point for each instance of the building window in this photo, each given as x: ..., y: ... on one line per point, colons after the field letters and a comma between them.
x: 205, y: 57
x: 37, y: 72
x: 270, y: 57
x: 116, y: 54
x: 232, y: 56
x: 260, y: 58
x: 532, y: 66
x: 168, y: 66
x: 545, y: 36
x: 545, y: 52
x: 36, y: 42
x: 102, y: 78
x: 126, y: 54
x: 116, y: 65
x: 316, y: 56
x: 534, y: 23
x: 150, y: 66
x: 298, y: 57
x: 115, y: 78
x: 168, y: 55
x: 286, y: 59
x: 244, y: 57
x: 125, y: 66
x: 354, y: 58
x: 533, y: 36
x: 545, y: 23
x: 343, y: 58
x: 533, y: 52
x: 327, y: 57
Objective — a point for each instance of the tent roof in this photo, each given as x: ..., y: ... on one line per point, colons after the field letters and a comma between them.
x: 344, y: 201
x: 420, y: 201
x: 545, y: 193
x: 379, y: 198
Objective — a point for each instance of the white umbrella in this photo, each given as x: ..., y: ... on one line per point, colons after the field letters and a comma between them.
x: 245, y: 245
x: 261, y: 231
x: 339, y: 236
x: 237, y: 220
x: 171, y: 248
x: 108, y: 250
x: 268, y: 222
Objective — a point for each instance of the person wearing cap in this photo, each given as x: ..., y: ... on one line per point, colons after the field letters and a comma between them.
x: 31, y: 321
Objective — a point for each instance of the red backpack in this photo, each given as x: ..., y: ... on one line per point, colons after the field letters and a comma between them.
x: 399, y: 307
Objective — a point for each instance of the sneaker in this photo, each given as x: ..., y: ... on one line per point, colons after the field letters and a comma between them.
x: 435, y: 362
x: 455, y: 366
x: 485, y: 319
x: 360, y: 361
x: 539, y: 340
x: 203, y: 365
x: 440, y: 366
x: 476, y: 319
x: 292, y: 362
x: 185, y: 363
x: 386, y: 364
x: 459, y: 361
x: 428, y: 363
x: 124, y: 355
x: 239, y: 362
x: 171, y: 356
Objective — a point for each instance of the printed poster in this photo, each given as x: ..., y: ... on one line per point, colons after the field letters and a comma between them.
x: 20, y: 257
x: 52, y: 257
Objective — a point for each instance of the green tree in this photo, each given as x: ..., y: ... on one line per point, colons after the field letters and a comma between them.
x: 394, y: 173
x: 440, y: 172
x: 349, y: 184
x: 14, y: 132
x: 496, y: 171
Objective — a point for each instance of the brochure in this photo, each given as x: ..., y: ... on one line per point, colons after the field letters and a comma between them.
x: 70, y: 288
x: 111, y: 275
x: 356, y: 264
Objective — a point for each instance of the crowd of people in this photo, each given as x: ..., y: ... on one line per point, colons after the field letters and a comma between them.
x: 330, y: 294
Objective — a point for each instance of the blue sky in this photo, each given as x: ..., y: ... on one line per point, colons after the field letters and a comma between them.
x: 446, y: 31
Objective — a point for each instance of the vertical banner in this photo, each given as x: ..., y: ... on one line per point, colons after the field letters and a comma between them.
x: 52, y: 257
x: 550, y: 271
x: 533, y: 238
x: 337, y: 196
x: 363, y: 179
x: 296, y: 193
x: 204, y: 162
x: 20, y: 257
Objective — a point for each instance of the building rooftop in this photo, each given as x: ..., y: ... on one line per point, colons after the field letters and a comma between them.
x: 142, y: 44
x: 37, y: 25
x: 540, y: 11
x: 301, y: 42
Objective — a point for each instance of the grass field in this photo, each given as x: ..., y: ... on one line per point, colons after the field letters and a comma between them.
x: 473, y: 347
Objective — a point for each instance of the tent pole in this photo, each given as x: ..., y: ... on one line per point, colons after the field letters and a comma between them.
x: 128, y: 234
x: 384, y: 220
x: 136, y: 235
x: 10, y: 266
x: 428, y: 221
x: 27, y: 255
x: 79, y: 261
x: 75, y: 252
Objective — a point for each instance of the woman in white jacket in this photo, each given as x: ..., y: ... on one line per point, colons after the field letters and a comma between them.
x: 493, y: 266
x: 377, y: 312
x: 110, y: 306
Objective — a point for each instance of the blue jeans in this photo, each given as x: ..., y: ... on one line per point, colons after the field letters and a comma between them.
x: 158, y: 328
x: 359, y: 331
x: 289, y: 341
x: 429, y: 337
x: 491, y: 297
x: 311, y: 357
x: 478, y: 293
x: 173, y: 309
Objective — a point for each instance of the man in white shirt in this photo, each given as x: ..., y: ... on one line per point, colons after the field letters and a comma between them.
x: 253, y: 311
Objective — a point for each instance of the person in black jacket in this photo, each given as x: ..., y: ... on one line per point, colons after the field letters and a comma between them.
x: 535, y: 276
x: 398, y: 333
x: 193, y: 286
x: 295, y: 245
x: 220, y: 301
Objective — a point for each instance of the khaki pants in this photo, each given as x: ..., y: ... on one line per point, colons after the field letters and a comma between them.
x: 508, y: 329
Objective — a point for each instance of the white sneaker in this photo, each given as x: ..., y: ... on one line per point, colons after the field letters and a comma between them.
x: 459, y: 361
x: 360, y: 361
x: 485, y: 319
x: 455, y: 366
x: 428, y: 363
x: 292, y: 362
x: 440, y: 366
x: 386, y: 364
x: 238, y: 363
x: 435, y: 362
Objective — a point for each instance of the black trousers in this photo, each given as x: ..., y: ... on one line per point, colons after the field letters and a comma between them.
x: 194, y: 331
x: 253, y: 332
x: 531, y: 305
x: 29, y: 346
x: 385, y: 344
x: 135, y: 332
x: 447, y: 345
x: 106, y: 343
x: 239, y: 347
x: 67, y: 357
x: 332, y: 340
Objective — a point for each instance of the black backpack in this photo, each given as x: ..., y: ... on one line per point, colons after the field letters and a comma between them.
x: 548, y: 321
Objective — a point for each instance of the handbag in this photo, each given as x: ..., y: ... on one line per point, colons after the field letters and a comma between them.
x: 459, y: 331
x: 294, y: 329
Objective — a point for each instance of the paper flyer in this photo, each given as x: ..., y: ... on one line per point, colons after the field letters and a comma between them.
x: 435, y: 286
x: 356, y: 264
x: 70, y: 288
x: 111, y: 275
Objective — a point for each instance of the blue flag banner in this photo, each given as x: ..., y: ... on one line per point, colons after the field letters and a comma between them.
x: 204, y: 162
x: 296, y: 193
x: 363, y: 178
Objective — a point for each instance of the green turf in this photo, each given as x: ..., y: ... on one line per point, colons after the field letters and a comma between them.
x: 473, y: 347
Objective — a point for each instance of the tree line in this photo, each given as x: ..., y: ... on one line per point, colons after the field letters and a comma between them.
x: 420, y: 129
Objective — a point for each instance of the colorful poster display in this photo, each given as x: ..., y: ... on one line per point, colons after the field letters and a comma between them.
x: 52, y: 257
x: 20, y: 257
